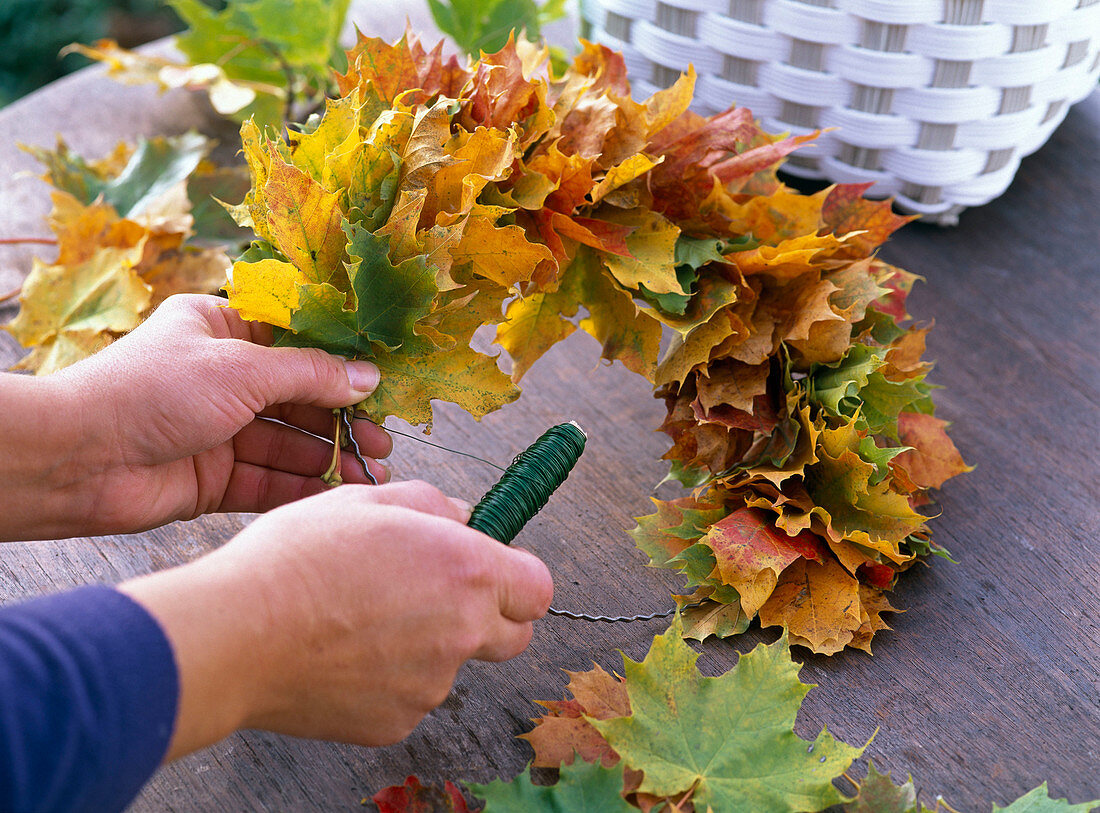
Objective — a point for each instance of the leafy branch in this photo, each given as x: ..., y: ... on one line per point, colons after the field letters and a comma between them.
x: 479, y: 26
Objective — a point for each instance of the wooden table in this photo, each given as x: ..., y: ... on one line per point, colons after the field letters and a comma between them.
x: 989, y: 683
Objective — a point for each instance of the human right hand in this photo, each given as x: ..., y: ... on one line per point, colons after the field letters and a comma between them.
x: 344, y: 616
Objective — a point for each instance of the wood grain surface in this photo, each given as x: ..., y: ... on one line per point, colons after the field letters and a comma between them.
x: 988, y: 684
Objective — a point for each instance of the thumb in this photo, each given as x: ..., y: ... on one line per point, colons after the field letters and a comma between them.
x: 282, y: 375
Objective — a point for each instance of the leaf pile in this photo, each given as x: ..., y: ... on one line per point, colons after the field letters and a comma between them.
x: 665, y: 734
x: 123, y: 225
x: 431, y: 193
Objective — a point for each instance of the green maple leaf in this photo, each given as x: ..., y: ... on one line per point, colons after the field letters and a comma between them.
x: 1038, y: 800
x: 836, y: 386
x: 694, y: 522
x: 729, y: 739
x: 884, y: 400
x: 582, y: 788
x: 388, y: 301
x: 156, y: 165
x: 675, y: 303
x: 413, y: 377
x: 879, y: 457
x: 696, y: 562
x: 879, y: 794
x: 859, y: 504
x: 692, y: 253
x: 687, y: 476
x: 855, y: 385
x: 880, y: 326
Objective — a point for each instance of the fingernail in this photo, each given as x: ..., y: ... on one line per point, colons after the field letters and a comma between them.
x: 464, y: 507
x: 362, y: 375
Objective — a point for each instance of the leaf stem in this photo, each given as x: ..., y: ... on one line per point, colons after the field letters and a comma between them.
x: 332, y: 477
x: 19, y: 241
x: 11, y: 295
x: 288, y: 73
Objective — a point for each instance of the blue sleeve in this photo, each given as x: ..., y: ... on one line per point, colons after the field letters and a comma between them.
x: 88, y: 693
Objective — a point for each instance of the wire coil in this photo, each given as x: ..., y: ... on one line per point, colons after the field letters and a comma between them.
x: 527, y: 484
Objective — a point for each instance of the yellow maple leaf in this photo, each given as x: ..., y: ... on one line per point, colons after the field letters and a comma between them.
x: 502, y: 254
x: 266, y: 291
x: 479, y: 157
x: 305, y: 222
x: 101, y: 295
x: 818, y: 603
x: 652, y: 246
x: 462, y: 376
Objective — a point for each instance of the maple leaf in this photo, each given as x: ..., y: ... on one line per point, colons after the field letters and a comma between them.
x: 818, y: 604
x: 1038, y: 800
x: 846, y: 210
x: 750, y: 553
x: 207, y: 186
x: 719, y: 618
x: 64, y: 310
x: 462, y: 376
x: 565, y: 732
x: 675, y: 526
x: 728, y: 739
x: 931, y: 458
x: 534, y: 324
x: 625, y: 332
x: 582, y: 788
x: 854, y: 507
x: 856, y: 386
x: 388, y: 300
x: 154, y: 167
x: 502, y: 254
x: 652, y: 246
x: 183, y: 271
x: 414, y: 797
x: 878, y: 794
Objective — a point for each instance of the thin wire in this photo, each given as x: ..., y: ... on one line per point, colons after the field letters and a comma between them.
x: 436, y: 445
x: 622, y: 619
x: 346, y: 419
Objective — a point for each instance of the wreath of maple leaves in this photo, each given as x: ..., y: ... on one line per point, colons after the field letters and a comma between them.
x: 796, y: 398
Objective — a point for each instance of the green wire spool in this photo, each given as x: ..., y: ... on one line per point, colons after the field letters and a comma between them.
x: 527, y: 484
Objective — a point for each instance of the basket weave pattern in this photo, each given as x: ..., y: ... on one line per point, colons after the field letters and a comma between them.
x: 934, y: 101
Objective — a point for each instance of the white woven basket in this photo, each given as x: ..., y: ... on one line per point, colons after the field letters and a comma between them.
x: 935, y: 101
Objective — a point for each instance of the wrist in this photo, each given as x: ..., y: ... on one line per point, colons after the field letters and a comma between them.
x: 217, y: 626
x: 44, y: 466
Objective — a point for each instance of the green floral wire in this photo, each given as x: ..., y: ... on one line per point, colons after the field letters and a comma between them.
x: 526, y: 485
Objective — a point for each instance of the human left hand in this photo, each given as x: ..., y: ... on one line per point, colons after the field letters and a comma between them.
x: 175, y: 420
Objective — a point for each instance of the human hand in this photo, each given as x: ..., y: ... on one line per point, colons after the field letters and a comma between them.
x: 345, y: 616
x: 174, y: 420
